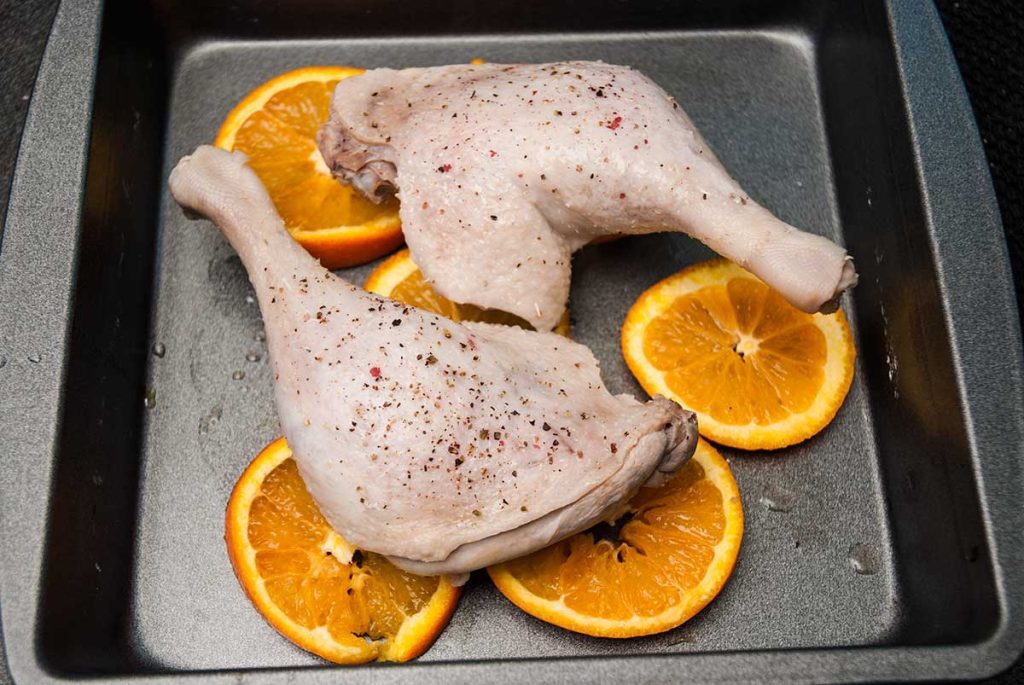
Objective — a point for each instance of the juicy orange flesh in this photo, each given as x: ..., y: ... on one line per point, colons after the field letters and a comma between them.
x: 738, y: 352
x: 280, y: 142
x: 661, y: 553
x: 368, y: 598
x: 414, y: 290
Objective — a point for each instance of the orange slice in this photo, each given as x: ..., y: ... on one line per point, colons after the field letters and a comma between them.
x: 668, y: 554
x: 399, y: 278
x: 327, y: 597
x: 276, y: 125
x: 759, y: 373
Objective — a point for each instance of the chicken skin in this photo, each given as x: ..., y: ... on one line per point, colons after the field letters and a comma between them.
x: 445, y: 446
x: 504, y: 171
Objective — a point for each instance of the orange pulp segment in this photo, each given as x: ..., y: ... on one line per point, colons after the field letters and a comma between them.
x: 399, y: 278
x: 275, y: 125
x: 665, y: 557
x: 759, y: 373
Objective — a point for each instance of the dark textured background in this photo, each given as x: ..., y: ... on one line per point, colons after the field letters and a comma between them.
x: 987, y: 38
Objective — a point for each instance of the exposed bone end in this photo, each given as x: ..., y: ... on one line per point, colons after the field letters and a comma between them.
x: 358, y: 164
x: 682, y: 443
x: 375, y: 180
x: 847, y: 279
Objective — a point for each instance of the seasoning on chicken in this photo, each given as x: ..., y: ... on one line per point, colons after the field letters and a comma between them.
x: 505, y: 170
x: 445, y: 446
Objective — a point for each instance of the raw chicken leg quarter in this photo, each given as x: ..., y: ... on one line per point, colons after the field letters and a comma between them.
x: 445, y: 446
x: 505, y: 170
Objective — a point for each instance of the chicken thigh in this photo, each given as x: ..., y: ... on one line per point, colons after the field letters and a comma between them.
x: 445, y: 446
x: 505, y: 170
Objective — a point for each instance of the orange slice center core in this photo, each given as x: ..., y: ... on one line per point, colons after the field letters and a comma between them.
x: 738, y: 352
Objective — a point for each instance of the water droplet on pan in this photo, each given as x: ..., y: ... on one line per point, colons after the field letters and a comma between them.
x: 261, y: 336
x: 238, y: 375
x: 252, y: 357
x: 35, y: 357
x: 159, y: 349
x: 210, y: 420
x: 776, y: 498
x: 149, y: 400
x: 864, y: 559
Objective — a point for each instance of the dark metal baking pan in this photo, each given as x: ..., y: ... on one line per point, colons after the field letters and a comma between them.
x: 847, y: 117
